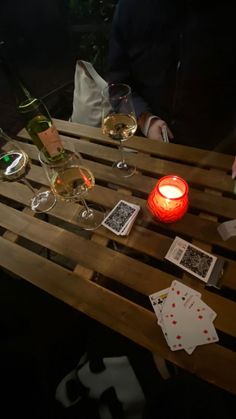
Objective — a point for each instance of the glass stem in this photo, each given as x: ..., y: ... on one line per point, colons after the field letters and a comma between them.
x: 27, y: 183
x: 121, y: 152
x: 88, y: 210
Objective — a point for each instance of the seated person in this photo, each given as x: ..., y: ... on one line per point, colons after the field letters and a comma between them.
x: 179, y: 57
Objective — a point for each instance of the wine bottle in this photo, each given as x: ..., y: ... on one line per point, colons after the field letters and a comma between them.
x: 39, y: 125
x: 36, y: 117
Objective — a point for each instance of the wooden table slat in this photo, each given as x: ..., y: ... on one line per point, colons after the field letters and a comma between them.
x: 190, y: 225
x: 170, y: 151
x: 142, y: 277
x: 196, y: 176
x: 132, y: 266
x: 125, y: 317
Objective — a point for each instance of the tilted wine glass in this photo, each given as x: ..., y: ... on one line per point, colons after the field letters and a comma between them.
x: 119, y: 121
x: 71, y: 180
x: 14, y: 165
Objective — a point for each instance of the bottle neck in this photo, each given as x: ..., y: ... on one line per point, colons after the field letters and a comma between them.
x: 20, y: 91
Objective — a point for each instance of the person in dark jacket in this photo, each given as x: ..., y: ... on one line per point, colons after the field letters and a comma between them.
x: 179, y: 57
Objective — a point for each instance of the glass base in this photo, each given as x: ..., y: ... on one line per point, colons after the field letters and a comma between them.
x: 92, y: 219
x: 43, y: 201
x: 123, y: 169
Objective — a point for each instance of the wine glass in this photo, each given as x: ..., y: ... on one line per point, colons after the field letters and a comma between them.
x: 71, y: 180
x: 119, y: 121
x: 14, y: 165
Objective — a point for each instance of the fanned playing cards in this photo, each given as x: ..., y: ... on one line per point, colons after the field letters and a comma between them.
x: 186, y: 321
x: 121, y: 218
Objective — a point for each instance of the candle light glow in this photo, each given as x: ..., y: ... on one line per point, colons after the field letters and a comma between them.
x: 168, y: 201
x: 170, y: 191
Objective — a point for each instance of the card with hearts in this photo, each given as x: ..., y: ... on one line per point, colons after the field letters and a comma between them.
x: 186, y: 320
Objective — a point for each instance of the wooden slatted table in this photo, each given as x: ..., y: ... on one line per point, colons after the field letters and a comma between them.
x: 109, y: 277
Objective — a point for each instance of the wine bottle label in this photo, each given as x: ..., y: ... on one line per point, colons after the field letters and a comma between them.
x: 51, y: 141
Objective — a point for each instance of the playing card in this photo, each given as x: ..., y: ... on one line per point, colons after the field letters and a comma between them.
x: 120, y: 216
x: 196, y: 305
x: 178, y: 295
x: 164, y: 134
x: 174, y: 325
x: 157, y: 300
x: 126, y: 230
x: 227, y: 229
x: 187, y: 329
x: 186, y: 321
x: 192, y: 259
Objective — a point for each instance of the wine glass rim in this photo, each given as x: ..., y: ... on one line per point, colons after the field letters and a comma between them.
x: 22, y: 153
x: 124, y: 85
x: 15, y: 150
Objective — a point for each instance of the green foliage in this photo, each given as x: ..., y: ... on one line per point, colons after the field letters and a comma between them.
x: 92, y: 18
x: 87, y: 10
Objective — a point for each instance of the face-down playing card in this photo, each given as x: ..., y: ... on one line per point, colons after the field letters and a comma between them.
x: 120, y: 217
x: 191, y: 259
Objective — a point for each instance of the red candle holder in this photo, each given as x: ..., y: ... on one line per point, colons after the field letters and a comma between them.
x: 168, y: 201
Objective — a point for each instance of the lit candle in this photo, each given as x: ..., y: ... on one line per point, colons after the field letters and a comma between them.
x: 168, y: 201
x: 170, y: 191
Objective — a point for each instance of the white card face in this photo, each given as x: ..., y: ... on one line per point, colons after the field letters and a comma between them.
x: 120, y: 216
x: 227, y: 229
x: 164, y: 134
x: 196, y: 305
x: 187, y: 329
x: 178, y: 295
x: 192, y: 259
x: 157, y: 300
x: 186, y: 321
x: 166, y: 336
x: 175, y: 328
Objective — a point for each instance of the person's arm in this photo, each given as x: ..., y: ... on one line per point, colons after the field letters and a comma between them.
x: 152, y: 127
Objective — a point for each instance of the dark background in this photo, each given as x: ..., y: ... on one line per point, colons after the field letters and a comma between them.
x: 41, y: 339
x: 43, y: 38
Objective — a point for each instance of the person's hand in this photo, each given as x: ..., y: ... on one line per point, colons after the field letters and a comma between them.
x: 234, y: 169
x: 155, y: 130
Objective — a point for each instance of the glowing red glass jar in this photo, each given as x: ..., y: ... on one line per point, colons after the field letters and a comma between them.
x: 168, y: 201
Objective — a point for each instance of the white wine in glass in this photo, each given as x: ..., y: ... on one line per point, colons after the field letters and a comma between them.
x: 71, y: 180
x: 14, y: 165
x: 119, y: 121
